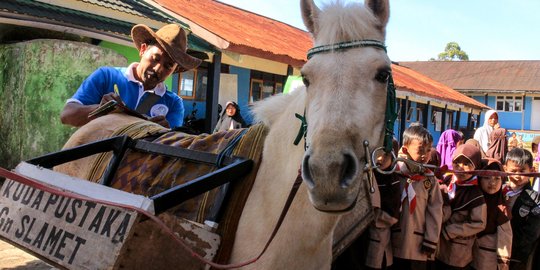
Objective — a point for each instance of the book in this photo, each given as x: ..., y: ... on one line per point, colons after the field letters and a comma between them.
x: 110, y: 106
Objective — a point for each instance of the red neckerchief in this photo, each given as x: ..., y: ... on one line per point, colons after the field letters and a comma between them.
x: 473, y: 181
x: 408, y: 190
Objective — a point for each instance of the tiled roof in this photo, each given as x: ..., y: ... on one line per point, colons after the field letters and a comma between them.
x: 483, y: 75
x: 422, y: 85
x: 85, y: 18
x: 248, y: 33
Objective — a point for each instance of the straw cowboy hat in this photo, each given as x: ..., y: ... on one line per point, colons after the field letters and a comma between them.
x: 171, y: 38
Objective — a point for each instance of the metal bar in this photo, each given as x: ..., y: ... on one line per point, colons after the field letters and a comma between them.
x: 178, y: 194
x: 118, y: 154
x: 50, y: 160
x: 178, y: 152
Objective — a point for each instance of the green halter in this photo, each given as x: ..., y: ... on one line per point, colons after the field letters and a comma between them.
x: 390, y: 112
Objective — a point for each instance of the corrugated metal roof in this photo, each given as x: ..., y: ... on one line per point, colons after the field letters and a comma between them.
x: 483, y: 75
x: 248, y: 33
x: 414, y: 82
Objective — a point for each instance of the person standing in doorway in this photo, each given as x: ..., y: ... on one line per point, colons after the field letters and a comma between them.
x: 491, y: 122
x: 230, y: 118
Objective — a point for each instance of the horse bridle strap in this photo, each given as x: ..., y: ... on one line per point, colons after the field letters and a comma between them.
x: 345, y: 45
x: 390, y: 115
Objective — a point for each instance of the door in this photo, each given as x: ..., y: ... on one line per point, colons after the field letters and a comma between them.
x: 535, y: 114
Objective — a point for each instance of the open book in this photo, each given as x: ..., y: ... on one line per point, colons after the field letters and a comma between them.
x: 110, y: 106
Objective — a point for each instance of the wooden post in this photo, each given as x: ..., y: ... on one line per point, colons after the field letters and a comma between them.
x: 403, y: 118
x: 443, y: 118
x: 289, y: 70
x: 458, y: 118
x: 478, y: 119
x: 212, y: 93
x: 425, y: 115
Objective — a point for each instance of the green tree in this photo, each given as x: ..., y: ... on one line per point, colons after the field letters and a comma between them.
x: 452, y: 52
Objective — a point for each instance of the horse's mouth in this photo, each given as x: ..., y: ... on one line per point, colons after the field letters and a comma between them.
x: 338, y: 211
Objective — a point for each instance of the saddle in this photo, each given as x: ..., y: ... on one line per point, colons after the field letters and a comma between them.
x: 150, y: 174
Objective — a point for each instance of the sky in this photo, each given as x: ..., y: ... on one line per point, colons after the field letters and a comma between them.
x: 420, y: 29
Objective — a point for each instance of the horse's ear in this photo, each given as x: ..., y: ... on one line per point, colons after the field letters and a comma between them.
x: 381, y: 9
x: 310, y: 14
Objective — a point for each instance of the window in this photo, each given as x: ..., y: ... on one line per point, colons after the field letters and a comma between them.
x: 192, y: 84
x: 509, y: 103
x: 264, y: 85
x: 187, y: 84
x: 256, y: 90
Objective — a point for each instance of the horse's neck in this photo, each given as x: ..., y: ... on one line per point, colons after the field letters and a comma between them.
x: 305, y: 233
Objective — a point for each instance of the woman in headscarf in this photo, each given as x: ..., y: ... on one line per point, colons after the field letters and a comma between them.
x: 230, y: 118
x: 447, y: 145
x: 483, y: 132
x: 498, y: 145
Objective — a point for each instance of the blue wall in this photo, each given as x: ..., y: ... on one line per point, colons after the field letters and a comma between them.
x: 510, y: 120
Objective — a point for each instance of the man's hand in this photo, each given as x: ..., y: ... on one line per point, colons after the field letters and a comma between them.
x: 160, y: 119
x: 111, y: 96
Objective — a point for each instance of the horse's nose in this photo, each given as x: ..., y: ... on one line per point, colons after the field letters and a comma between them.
x: 348, y: 171
x: 345, y: 169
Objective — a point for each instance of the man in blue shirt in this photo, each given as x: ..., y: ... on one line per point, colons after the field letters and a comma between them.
x: 139, y: 86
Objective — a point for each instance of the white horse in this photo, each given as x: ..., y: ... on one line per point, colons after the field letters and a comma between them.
x: 344, y: 104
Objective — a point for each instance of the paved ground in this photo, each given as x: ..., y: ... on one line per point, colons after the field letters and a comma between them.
x: 16, y: 259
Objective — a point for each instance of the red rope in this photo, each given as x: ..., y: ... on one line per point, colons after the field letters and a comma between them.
x: 53, y: 190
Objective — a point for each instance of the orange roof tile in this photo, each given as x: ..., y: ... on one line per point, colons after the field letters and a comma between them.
x: 422, y: 85
x: 248, y: 33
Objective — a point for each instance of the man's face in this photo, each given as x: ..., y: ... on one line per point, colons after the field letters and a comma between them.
x: 517, y: 181
x: 155, y: 66
x: 493, y: 119
x: 418, y: 151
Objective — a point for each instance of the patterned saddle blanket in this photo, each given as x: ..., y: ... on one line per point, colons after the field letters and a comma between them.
x: 150, y: 174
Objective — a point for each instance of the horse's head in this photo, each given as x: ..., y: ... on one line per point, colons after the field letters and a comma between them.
x: 346, y: 97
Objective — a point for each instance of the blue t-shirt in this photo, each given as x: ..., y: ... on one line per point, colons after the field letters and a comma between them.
x: 105, y: 79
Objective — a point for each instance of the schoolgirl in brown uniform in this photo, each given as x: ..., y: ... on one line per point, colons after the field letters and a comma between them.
x: 493, y: 245
x: 465, y: 210
x: 415, y: 236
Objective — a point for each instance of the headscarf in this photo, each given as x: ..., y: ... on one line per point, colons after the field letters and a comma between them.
x: 483, y: 132
x: 470, y: 152
x: 447, y: 145
x: 497, y: 213
x: 225, y: 121
x: 498, y: 146
x: 477, y: 144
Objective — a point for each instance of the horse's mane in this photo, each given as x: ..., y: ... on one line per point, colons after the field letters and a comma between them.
x: 345, y: 22
x: 270, y: 109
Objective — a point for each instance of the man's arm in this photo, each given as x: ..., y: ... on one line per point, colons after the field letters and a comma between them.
x: 75, y: 114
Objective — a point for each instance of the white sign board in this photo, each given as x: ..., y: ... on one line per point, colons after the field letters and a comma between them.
x: 73, y: 233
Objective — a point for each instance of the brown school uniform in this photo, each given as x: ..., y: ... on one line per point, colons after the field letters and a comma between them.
x: 467, y: 218
x: 386, y: 214
x: 492, y: 251
x: 420, y: 229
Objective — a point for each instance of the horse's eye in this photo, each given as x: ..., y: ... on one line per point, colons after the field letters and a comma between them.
x: 382, y: 76
x: 305, y: 80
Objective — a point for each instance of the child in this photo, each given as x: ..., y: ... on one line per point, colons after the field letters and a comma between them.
x: 379, y: 250
x: 524, y: 204
x: 415, y: 236
x: 465, y: 210
x: 493, y: 245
